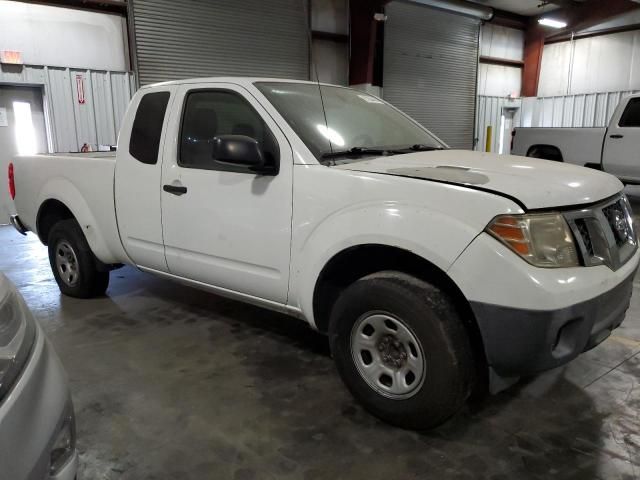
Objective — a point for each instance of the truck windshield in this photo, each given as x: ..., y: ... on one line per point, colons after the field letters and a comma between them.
x: 357, y: 124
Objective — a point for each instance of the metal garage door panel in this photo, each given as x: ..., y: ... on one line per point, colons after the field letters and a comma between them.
x: 430, y: 69
x: 177, y: 39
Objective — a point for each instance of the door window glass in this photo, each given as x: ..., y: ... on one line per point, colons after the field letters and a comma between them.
x: 631, y: 115
x: 147, y: 127
x: 209, y: 113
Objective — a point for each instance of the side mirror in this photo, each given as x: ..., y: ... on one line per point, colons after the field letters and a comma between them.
x: 238, y: 150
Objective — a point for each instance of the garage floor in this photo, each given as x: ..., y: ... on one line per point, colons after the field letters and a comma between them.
x: 170, y: 382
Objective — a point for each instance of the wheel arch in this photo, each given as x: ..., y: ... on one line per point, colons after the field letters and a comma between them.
x: 355, y: 262
x: 548, y: 152
x: 50, y: 212
x: 60, y: 199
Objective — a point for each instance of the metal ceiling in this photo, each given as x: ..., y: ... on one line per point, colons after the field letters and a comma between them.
x: 527, y: 7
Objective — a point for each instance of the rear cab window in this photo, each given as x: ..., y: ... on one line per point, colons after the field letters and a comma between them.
x: 631, y: 115
x: 144, y: 143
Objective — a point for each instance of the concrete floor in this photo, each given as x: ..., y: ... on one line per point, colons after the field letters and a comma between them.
x: 173, y: 383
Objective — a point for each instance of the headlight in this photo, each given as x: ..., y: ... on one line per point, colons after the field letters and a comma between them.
x: 543, y: 240
x: 17, y: 333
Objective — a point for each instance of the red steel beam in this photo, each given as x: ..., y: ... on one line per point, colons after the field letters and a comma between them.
x: 363, y: 30
x: 533, y: 46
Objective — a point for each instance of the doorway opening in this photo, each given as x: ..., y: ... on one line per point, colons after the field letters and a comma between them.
x: 22, y: 132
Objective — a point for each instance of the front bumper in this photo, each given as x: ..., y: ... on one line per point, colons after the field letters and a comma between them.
x: 534, y: 319
x: 31, y: 418
x: 521, y: 342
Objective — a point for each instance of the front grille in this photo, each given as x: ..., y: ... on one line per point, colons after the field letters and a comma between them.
x: 604, y: 233
x: 583, y: 230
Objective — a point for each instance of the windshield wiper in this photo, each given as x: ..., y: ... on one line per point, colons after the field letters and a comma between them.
x: 419, y: 147
x: 356, y: 151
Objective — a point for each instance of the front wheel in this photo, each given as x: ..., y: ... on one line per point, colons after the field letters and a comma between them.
x: 402, y: 350
x: 72, y: 262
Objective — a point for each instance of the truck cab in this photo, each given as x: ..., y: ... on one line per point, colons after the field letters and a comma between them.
x: 620, y: 150
x: 217, y: 223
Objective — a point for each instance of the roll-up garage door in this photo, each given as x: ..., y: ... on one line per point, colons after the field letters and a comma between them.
x: 175, y: 39
x: 430, y: 69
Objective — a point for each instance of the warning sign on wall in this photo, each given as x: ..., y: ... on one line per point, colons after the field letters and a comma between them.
x: 80, y: 89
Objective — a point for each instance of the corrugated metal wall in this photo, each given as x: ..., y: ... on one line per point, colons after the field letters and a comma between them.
x: 190, y: 38
x: 589, y: 110
x: 489, y: 113
x: 430, y: 68
x: 70, y: 124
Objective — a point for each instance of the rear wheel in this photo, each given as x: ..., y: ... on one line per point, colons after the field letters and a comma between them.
x: 545, y: 152
x: 72, y: 262
x: 402, y: 350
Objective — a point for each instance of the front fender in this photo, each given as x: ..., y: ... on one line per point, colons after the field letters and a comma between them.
x: 430, y: 234
x: 61, y: 189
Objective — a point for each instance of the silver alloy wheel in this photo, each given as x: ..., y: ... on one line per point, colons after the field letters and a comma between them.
x: 67, y: 263
x: 388, y: 355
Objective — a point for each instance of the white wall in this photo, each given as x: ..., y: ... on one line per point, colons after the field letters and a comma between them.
x: 64, y: 37
x: 330, y: 16
x: 606, y: 63
x: 503, y: 43
x: 330, y: 57
x: 332, y: 61
x: 499, y: 81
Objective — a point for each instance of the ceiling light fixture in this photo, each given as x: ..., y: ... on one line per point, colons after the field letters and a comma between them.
x: 550, y: 22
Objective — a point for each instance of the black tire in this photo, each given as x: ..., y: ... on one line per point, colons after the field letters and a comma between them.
x: 87, y: 281
x: 430, y: 315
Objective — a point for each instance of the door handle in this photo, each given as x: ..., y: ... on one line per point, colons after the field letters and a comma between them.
x: 616, y: 136
x: 175, y: 189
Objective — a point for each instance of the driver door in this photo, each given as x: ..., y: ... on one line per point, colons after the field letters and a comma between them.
x: 226, y: 226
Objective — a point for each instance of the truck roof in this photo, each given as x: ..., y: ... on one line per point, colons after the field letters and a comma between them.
x: 236, y: 80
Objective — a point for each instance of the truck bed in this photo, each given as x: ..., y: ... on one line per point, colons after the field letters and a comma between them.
x: 81, y: 181
x: 579, y: 146
x: 87, y: 155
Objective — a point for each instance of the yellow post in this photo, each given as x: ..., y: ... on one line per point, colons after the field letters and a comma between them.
x: 489, y: 138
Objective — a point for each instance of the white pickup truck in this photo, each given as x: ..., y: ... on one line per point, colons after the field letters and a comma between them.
x: 433, y: 271
x: 614, y: 149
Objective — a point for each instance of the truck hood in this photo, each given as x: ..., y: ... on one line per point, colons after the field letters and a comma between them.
x: 532, y: 182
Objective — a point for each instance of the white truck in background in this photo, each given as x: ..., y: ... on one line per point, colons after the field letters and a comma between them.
x: 614, y: 149
x: 433, y: 271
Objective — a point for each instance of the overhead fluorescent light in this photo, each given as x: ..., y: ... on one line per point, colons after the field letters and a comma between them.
x: 550, y: 22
